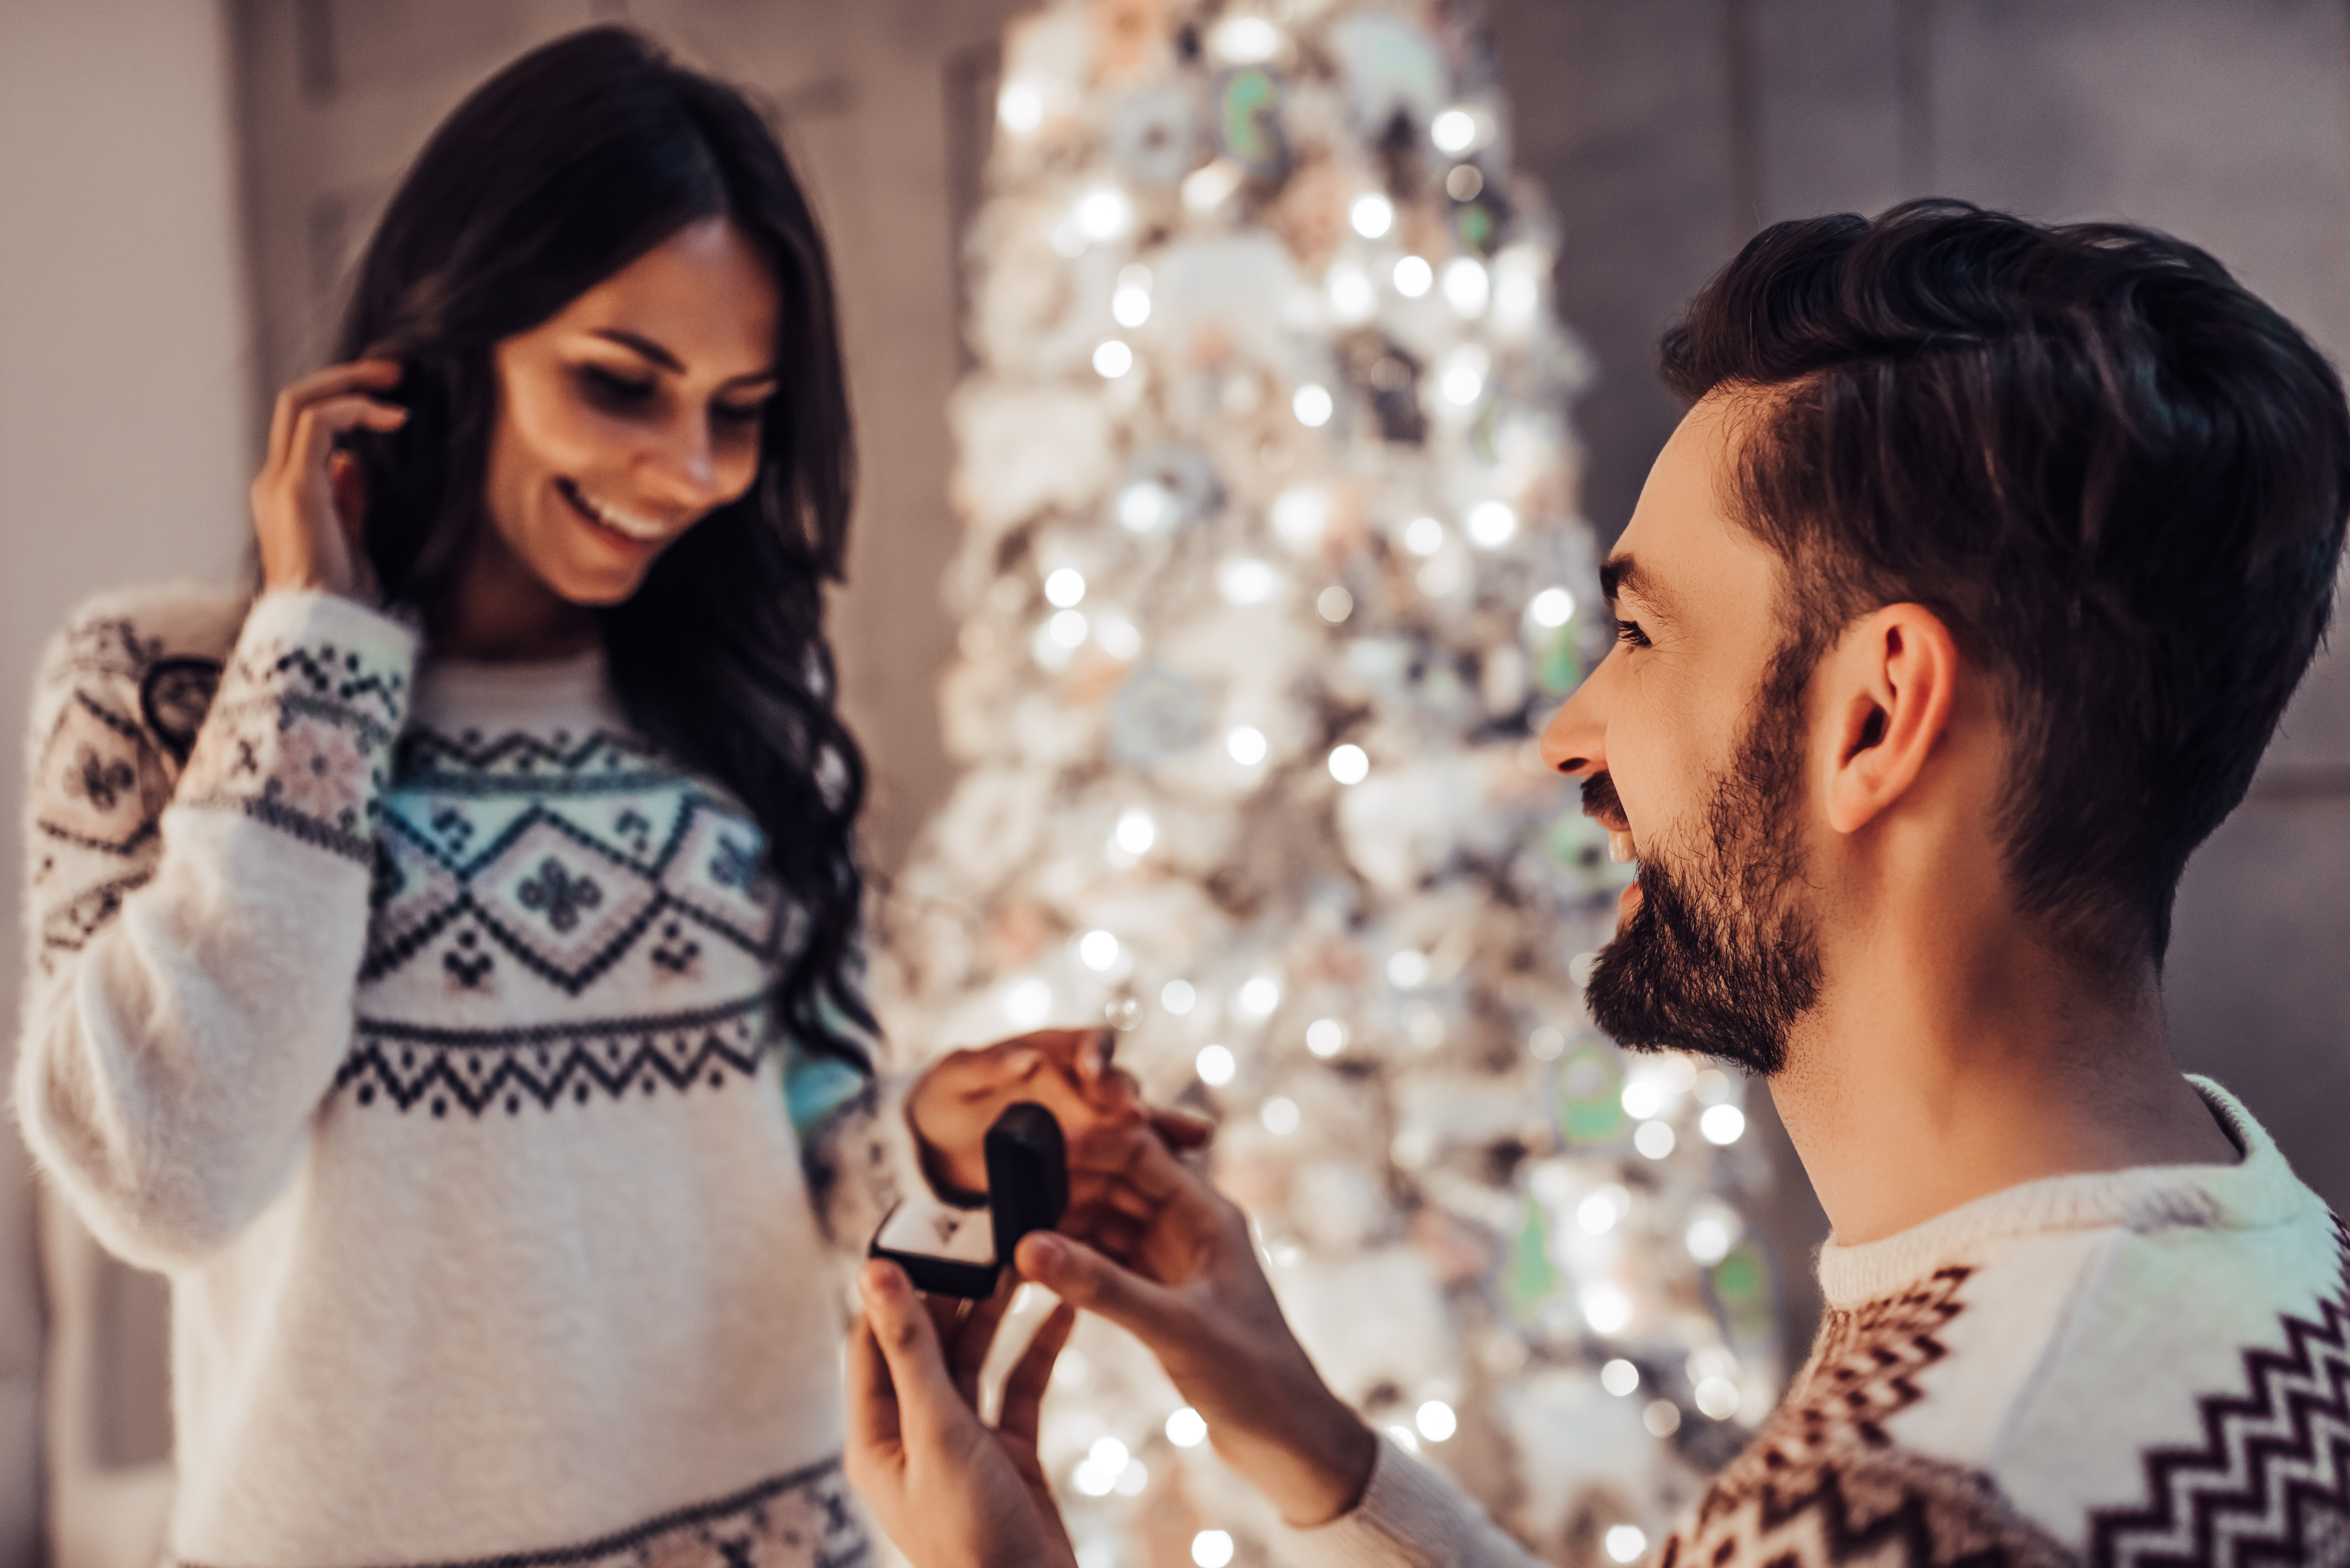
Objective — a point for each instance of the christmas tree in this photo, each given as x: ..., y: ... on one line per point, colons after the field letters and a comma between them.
x: 1273, y: 569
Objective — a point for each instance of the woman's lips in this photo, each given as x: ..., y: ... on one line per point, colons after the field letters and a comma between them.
x: 614, y: 536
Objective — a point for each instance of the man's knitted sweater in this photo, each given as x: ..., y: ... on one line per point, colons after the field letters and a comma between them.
x: 414, y: 1021
x: 2146, y: 1367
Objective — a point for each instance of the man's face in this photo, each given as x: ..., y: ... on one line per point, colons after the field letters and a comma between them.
x: 1692, y: 741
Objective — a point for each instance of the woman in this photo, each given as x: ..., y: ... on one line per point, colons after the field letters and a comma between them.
x: 429, y: 1014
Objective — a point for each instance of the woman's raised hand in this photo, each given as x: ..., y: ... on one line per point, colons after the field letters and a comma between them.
x: 309, y: 504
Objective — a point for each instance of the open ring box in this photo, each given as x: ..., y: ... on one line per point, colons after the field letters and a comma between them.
x: 950, y: 1251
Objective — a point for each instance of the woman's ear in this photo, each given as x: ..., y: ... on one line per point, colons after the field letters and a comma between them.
x: 348, y: 482
x: 1892, y: 679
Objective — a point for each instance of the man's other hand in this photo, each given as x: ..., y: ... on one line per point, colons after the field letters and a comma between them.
x: 951, y: 1492
x: 1197, y: 1296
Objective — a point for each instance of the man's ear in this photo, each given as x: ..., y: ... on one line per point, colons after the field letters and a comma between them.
x: 1893, y: 677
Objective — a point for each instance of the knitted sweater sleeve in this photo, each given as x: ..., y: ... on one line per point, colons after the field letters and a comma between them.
x: 1409, y: 1517
x: 197, y: 926
x: 860, y: 1159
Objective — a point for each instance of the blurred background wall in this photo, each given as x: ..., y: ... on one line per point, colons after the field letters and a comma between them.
x: 126, y: 398
x: 184, y: 186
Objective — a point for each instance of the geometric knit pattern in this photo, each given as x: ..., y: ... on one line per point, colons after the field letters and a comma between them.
x: 505, y: 926
x: 2271, y: 1482
x: 410, y: 1064
x: 299, y: 737
x: 1823, y: 1482
x: 803, y: 1519
x: 523, y: 874
x: 2147, y: 1368
x: 103, y: 772
x: 295, y: 737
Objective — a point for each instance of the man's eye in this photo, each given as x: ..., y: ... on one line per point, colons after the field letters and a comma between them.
x: 1628, y: 633
x: 613, y: 391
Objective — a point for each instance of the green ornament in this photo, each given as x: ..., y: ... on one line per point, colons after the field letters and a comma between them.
x: 1557, y: 665
x: 1741, y: 1287
x: 1590, y: 1083
x: 1475, y: 224
x: 1530, y: 1276
x: 1249, y: 119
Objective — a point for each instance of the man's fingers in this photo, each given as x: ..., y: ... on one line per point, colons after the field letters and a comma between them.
x: 873, y: 1424
x: 1084, y: 1278
x: 975, y: 1336
x: 908, y: 1341
x: 1120, y: 1240
x: 1135, y: 1155
x: 1180, y: 1129
x: 1023, y: 1390
x: 1092, y: 1054
x: 1088, y: 1193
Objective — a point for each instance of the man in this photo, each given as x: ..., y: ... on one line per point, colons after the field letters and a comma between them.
x: 1954, y: 615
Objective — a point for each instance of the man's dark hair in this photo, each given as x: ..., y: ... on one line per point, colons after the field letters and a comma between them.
x: 2117, y: 476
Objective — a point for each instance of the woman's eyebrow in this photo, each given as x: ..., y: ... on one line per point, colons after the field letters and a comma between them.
x: 644, y: 346
x: 647, y: 348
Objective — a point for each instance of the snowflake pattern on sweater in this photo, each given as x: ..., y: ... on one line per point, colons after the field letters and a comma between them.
x: 543, y: 867
x: 297, y: 736
x: 108, y: 750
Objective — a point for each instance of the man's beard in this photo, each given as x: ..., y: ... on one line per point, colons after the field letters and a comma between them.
x: 1719, y: 956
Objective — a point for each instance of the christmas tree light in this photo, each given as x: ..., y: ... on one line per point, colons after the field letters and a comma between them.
x: 1273, y: 568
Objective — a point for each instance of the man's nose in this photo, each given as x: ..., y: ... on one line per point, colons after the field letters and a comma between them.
x: 1576, y: 739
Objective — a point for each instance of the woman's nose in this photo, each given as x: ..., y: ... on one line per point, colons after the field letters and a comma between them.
x: 684, y: 468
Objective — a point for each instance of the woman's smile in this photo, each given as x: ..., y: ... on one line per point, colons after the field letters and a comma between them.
x: 638, y: 531
x: 626, y: 418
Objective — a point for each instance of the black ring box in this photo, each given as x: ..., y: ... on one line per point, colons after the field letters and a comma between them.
x: 948, y: 1250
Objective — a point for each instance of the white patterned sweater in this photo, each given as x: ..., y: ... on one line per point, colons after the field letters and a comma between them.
x: 411, y: 1019
x: 2148, y: 1368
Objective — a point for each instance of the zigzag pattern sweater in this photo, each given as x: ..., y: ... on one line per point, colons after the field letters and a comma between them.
x: 412, y: 1019
x: 2148, y: 1368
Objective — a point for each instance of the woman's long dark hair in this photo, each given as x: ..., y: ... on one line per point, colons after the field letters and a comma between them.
x: 553, y: 175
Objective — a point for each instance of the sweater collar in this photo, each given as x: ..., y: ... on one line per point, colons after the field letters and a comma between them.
x: 2258, y: 1191
x: 535, y: 696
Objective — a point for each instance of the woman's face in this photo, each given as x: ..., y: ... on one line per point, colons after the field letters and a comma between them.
x: 632, y: 413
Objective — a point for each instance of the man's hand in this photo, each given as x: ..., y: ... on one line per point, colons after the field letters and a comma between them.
x: 949, y: 1491
x: 1199, y: 1299
x: 1067, y: 1070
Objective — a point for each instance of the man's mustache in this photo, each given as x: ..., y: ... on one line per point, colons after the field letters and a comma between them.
x: 1599, y: 803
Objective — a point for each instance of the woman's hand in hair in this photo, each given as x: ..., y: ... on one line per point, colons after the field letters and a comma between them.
x: 950, y: 1492
x: 309, y: 501
x: 1067, y: 1070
